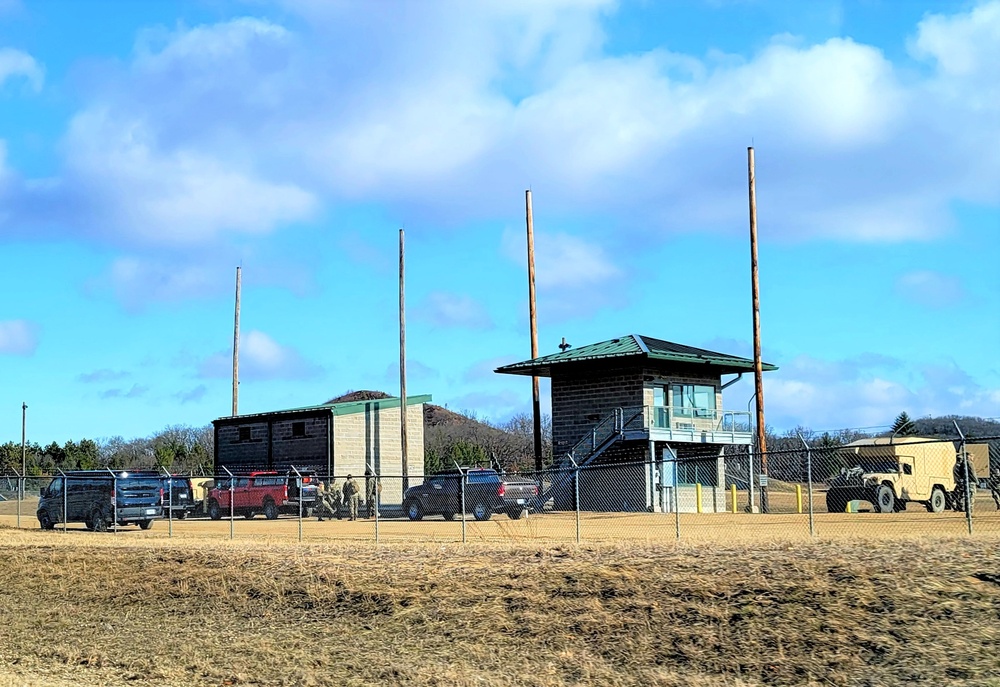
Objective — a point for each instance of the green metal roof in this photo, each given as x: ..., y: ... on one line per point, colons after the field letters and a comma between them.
x: 634, y: 347
x: 346, y: 408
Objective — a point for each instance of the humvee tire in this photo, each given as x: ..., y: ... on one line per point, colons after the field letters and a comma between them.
x: 938, y: 501
x: 835, y: 503
x: 885, y: 499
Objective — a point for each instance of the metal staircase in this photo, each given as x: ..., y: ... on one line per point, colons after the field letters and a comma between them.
x: 603, y: 436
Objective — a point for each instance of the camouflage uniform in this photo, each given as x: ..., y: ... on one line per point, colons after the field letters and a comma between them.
x: 994, y: 485
x: 963, y: 489
x: 328, y: 507
x: 352, y: 496
x: 372, y: 489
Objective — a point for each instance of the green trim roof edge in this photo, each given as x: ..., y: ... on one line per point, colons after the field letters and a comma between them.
x: 345, y: 408
x: 629, y: 346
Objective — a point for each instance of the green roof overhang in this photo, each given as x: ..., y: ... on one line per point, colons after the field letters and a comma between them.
x: 635, y: 349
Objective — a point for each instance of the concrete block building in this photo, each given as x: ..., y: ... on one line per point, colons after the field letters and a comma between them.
x: 333, y: 439
x: 651, y: 407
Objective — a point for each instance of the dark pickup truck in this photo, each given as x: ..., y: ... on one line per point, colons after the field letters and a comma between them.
x: 486, y: 492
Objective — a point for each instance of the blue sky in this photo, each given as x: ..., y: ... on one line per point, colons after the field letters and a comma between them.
x: 146, y: 149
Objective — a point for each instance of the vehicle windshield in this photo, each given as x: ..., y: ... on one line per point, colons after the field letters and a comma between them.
x: 877, y: 460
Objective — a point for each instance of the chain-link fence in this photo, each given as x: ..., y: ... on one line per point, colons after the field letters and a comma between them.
x: 883, y: 487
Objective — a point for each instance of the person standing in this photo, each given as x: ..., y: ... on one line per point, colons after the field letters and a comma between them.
x: 965, y: 482
x: 352, y: 497
x: 372, y: 489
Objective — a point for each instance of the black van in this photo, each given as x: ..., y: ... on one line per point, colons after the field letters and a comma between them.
x: 98, y: 497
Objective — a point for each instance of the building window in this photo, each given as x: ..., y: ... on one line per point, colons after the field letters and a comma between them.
x: 245, y: 434
x: 696, y: 400
x: 298, y: 429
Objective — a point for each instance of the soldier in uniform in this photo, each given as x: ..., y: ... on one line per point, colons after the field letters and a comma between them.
x: 994, y: 485
x: 964, y: 489
x: 352, y: 497
x: 327, y: 504
x: 372, y: 489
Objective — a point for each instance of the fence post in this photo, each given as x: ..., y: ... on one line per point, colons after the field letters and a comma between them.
x: 232, y: 489
x: 170, y: 502
x: 576, y: 495
x: 378, y: 500
x: 20, y: 495
x: 750, y: 475
x: 677, y: 501
x: 461, y: 474
x: 114, y: 487
x: 809, y: 484
x: 65, y: 500
x: 298, y: 477
x: 970, y: 490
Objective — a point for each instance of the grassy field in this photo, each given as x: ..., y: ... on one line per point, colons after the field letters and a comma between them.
x: 89, y: 609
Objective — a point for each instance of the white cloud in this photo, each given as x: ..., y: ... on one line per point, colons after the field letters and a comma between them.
x: 869, y: 392
x: 18, y: 337
x: 248, y: 125
x: 931, y: 289
x: 448, y: 310
x: 261, y: 358
x: 572, y: 274
x: 18, y: 64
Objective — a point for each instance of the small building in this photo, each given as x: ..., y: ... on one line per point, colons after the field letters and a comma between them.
x: 650, y: 406
x: 333, y: 439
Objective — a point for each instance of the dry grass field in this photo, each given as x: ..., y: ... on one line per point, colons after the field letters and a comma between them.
x: 141, y: 609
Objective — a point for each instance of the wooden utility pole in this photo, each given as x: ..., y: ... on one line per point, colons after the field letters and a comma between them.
x: 402, y: 364
x: 24, y: 454
x: 757, y: 365
x: 236, y: 350
x: 536, y: 408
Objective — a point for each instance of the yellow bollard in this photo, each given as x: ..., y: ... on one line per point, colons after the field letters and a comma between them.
x: 847, y: 508
x: 697, y: 497
x: 798, y: 498
x: 732, y: 490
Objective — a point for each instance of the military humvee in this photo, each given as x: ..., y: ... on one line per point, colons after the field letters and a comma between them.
x: 890, y: 472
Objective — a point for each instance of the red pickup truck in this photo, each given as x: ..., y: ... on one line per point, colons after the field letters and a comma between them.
x: 266, y: 492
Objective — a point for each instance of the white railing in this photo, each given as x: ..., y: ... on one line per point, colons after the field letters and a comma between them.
x: 694, y: 424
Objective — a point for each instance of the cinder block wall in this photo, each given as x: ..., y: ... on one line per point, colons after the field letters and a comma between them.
x: 373, y: 437
x: 582, y: 397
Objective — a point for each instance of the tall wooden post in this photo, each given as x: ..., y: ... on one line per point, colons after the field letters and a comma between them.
x: 24, y: 454
x: 236, y: 350
x: 402, y: 364
x: 757, y: 365
x: 536, y: 409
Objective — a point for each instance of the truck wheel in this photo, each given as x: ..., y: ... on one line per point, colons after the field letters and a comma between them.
x: 414, y: 511
x: 145, y: 524
x: 248, y: 514
x: 481, y: 512
x: 270, y: 510
x: 45, y: 522
x: 885, y: 499
x: 515, y: 513
x: 181, y: 514
x: 835, y: 503
x: 96, y: 522
x: 214, y: 511
x: 937, y: 502
x: 448, y: 515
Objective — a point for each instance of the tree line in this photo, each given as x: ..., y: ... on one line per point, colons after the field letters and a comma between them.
x: 178, y: 448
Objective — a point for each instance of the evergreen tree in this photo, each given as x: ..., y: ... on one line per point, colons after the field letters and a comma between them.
x: 903, y: 425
